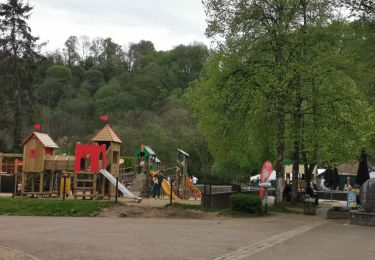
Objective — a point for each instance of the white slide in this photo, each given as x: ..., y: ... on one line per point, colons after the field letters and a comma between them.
x: 121, y: 187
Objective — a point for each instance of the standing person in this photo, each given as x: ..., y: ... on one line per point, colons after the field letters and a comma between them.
x: 160, y: 181
x: 194, y: 180
x: 155, y: 186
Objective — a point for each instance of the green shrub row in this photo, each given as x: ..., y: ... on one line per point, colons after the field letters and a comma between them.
x: 246, y: 203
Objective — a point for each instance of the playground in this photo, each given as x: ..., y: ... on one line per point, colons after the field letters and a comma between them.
x: 96, y: 171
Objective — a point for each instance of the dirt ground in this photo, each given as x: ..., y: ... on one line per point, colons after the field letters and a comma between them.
x: 136, y: 211
x: 154, y: 208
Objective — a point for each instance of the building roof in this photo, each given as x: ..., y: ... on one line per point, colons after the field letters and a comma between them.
x: 145, y: 151
x: 289, y: 169
x: 149, y: 150
x: 348, y: 168
x: 44, y: 139
x: 106, y: 134
x: 183, y: 152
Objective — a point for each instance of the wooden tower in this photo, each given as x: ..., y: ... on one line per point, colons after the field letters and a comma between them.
x: 36, y: 147
x: 107, y: 136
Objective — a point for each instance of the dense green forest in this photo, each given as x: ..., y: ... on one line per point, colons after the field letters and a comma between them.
x: 139, y: 88
x: 285, y: 80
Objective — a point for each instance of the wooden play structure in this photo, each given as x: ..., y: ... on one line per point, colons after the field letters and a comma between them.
x: 149, y: 164
x: 10, y: 166
x: 146, y: 162
x: 93, y: 170
x: 36, y: 179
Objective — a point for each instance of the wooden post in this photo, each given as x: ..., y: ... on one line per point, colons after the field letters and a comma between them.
x: 23, y: 182
x: 204, y: 193
x: 41, y: 183
x: 51, y: 184
x: 32, y: 182
x: 170, y: 196
x: 84, y: 185
x: 64, y: 187
x: 94, y: 186
x: 103, y: 186
x: 15, y: 186
x: 75, y: 185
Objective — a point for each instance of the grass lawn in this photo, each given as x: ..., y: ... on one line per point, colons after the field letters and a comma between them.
x: 51, y: 207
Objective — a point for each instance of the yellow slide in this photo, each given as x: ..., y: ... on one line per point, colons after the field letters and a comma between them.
x: 191, y: 186
x: 167, y: 190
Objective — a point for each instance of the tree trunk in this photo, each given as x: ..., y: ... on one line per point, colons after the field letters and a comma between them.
x: 280, y: 155
x: 295, y: 172
x: 297, y: 116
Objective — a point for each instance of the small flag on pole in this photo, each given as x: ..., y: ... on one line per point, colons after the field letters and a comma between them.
x: 104, y: 118
x: 37, y: 127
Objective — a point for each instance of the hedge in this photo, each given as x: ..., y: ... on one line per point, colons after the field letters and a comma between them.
x: 246, y: 203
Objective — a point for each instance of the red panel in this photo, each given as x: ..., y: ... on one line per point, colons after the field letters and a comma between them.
x: 94, y: 151
x: 49, y: 151
x: 33, y: 153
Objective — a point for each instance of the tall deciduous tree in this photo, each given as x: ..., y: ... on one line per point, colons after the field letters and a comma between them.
x: 257, y: 33
x: 278, y: 75
x: 71, y: 51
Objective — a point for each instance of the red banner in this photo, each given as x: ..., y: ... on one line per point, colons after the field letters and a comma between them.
x: 265, y: 174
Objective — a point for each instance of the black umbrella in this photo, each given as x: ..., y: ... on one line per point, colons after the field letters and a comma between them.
x: 362, y: 174
x: 331, y: 177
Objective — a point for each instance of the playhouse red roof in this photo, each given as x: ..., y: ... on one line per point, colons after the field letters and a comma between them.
x: 44, y: 139
x: 106, y: 134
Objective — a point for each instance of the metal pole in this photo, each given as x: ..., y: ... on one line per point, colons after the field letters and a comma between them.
x: 204, y: 194
x: 116, y: 189
x: 170, y: 197
x: 266, y: 202
x: 64, y: 191
x: 15, y: 186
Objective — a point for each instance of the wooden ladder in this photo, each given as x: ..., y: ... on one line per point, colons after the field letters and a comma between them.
x: 85, y: 185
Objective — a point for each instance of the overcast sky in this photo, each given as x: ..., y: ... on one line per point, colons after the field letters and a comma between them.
x: 167, y: 23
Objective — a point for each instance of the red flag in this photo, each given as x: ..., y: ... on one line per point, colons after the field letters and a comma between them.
x: 104, y: 118
x: 37, y: 127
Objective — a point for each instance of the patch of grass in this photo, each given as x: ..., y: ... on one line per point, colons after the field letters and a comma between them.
x: 51, y: 207
x: 189, y: 206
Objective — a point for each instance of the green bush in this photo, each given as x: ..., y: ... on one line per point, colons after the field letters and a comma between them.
x: 246, y: 203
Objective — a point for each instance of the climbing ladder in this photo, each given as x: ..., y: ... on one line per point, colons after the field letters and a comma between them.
x: 121, y: 187
x: 85, y: 185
